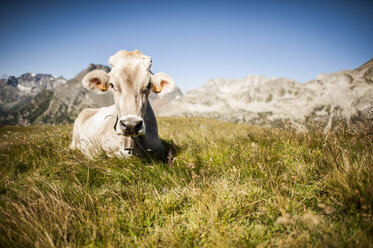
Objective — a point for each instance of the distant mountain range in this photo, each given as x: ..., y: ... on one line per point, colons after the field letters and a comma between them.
x: 24, y: 99
x: 14, y: 89
x: 345, y: 96
x: 277, y: 102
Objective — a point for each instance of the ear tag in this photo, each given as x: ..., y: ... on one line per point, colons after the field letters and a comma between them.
x: 157, y: 88
x: 102, y: 87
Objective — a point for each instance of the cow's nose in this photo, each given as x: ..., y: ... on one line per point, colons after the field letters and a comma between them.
x: 131, y: 127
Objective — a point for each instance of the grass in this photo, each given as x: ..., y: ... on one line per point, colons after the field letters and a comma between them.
x: 229, y: 185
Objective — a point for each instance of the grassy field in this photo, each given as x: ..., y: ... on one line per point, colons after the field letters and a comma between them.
x: 229, y: 185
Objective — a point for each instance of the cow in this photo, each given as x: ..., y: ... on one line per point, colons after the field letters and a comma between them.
x: 129, y: 126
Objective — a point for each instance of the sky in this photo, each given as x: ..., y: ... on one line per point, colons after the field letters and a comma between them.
x: 192, y: 41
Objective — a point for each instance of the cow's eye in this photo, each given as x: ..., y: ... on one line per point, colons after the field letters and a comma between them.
x: 112, y: 86
x: 148, y: 87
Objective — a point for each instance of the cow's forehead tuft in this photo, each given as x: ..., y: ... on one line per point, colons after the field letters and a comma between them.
x: 136, y: 54
x: 124, y: 55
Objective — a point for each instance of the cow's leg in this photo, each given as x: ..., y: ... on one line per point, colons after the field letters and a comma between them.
x: 75, y: 137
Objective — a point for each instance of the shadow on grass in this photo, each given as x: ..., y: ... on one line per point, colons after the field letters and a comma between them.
x: 165, y: 155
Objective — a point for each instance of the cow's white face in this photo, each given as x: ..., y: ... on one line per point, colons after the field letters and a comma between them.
x: 130, y: 82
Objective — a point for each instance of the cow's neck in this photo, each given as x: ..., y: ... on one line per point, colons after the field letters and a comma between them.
x: 150, y: 141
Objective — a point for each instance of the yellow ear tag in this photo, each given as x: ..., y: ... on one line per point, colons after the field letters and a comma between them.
x: 102, y: 87
x: 157, y: 88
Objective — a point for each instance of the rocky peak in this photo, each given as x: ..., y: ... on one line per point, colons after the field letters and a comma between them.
x: 367, y: 65
x: 90, y: 68
x: 11, y: 81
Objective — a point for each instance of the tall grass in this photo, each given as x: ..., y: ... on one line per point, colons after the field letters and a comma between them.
x: 228, y: 185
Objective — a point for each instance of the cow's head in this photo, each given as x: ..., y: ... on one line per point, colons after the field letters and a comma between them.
x: 130, y: 82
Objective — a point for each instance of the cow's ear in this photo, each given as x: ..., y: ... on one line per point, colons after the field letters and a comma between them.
x: 96, y: 80
x: 162, y: 83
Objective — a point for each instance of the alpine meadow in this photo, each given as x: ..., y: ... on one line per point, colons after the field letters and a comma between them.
x: 227, y: 185
x: 182, y: 124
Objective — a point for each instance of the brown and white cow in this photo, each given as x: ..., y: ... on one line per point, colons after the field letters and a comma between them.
x: 130, y: 123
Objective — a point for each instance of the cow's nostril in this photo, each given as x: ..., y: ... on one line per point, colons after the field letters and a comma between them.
x: 131, y: 125
x: 138, y: 125
x: 123, y: 123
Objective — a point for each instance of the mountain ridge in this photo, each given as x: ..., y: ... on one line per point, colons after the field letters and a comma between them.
x: 279, y: 102
x: 275, y: 102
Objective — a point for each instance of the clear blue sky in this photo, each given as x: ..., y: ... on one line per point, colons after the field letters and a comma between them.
x: 192, y: 41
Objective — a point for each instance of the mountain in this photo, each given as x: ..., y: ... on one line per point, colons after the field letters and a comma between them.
x: 330, y: 99
x: 19, y: 97
x: 29, y: 84
x: 279, y: 102
x: 37, y: 99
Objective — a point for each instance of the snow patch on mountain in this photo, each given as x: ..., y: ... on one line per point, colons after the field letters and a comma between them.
x: 23, y: 88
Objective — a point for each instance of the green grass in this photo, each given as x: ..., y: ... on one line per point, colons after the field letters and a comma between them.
x: 229, y: 185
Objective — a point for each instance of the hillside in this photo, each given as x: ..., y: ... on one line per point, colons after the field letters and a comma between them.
x: 229, y: 185
x: 330, y: 99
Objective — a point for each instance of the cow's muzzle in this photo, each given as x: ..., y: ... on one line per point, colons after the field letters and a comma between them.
x: 132, y: 125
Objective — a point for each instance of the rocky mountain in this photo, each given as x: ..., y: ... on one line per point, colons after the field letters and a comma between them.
x: 277, y: 102
x: 322, y: 103
x: 18, y: 96
x: 39, y: 101
x: 29, y: 84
